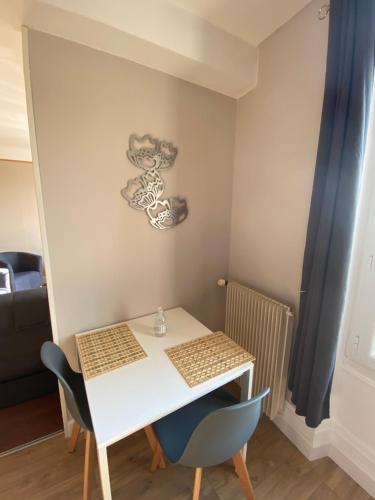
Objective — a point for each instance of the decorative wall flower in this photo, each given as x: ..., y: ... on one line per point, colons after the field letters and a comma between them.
x: 165, y: 214
x: 149, y: 153
x: 168, y: 153
x: 160, y: 215
x: 144, y: 192
x: 153, y: 182
x: 179, y: 208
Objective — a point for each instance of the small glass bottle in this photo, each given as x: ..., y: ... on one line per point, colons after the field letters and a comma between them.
x: 160, y: 325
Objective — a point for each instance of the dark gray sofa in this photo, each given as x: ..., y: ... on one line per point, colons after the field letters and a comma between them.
x: 25, y: 269
x: 24, y: 326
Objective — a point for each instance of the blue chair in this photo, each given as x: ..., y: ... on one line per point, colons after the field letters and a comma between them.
x: 208, y: 432
x: 25, y: 270
x: 76, y: 400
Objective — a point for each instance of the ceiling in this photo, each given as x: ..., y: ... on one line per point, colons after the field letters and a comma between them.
x: 251, y: 20
x: 212, y: 43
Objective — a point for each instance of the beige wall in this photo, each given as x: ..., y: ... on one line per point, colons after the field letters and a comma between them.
x: 86, y: 103
x: 107, y: 262
x: 276, y: 141
x: 19, y: 222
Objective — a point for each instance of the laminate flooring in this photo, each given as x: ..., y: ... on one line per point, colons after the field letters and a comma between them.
x: 277, y: 469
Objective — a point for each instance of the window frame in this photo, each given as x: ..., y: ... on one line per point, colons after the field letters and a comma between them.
x: 360, y: 339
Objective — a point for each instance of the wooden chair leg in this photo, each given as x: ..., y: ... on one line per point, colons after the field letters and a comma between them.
x: 89, y: 463
x: 156, y: 459
x: 72, y: 445
x: 197, y: 483
x: 153, y: 440
x: 241, y: 470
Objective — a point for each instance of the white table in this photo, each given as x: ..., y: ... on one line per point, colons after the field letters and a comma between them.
x: 129, y: 398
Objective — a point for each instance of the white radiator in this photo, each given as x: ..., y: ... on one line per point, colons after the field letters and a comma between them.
x: 263, y: 327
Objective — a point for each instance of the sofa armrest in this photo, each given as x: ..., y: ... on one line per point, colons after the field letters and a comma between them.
x: 10, y: 275
x: 4, y: 280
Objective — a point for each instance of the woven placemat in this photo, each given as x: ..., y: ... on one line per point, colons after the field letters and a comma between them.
x: 207, y: 357
x: 107, y: 349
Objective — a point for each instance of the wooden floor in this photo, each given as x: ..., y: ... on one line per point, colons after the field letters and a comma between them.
x: 31, y: 420
x: 278, y: 471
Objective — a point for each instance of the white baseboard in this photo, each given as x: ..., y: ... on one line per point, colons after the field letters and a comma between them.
x: 354, y: 456
x: 333, y: 440
x: 313, y: 443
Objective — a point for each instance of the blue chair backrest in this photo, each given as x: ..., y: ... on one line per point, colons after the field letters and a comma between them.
x: 72, y: 383
x: 223, y: 433
x: 10, y: 258
x: 22, y: 261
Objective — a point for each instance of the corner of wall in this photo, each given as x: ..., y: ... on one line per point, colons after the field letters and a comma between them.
x: 254, y: 82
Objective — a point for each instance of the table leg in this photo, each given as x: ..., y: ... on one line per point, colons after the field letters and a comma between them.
x: 104, y: 473
x: 246, y: 386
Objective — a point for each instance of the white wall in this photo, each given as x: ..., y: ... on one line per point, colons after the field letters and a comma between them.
x: 19, y: 221
x: 107, y: 262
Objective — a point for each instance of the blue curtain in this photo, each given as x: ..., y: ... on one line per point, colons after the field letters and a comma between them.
x: 347, y: 101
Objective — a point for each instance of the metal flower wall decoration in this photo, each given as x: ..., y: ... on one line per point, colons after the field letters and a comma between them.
x: 145, y: 191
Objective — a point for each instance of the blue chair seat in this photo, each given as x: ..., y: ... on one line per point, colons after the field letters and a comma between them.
x: 175, y: 430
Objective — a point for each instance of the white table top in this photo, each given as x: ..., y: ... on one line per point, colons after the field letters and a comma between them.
x: 129, y: 398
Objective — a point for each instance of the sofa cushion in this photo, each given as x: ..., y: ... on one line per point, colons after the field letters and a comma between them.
x: 31, y: 308
x: 6, y: 314
x: 20, y: 353
x: 27, y: 279
x: 23, y: 389
x: 24, y: 326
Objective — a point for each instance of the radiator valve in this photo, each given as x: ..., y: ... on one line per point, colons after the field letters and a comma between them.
x: 222, y: 282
